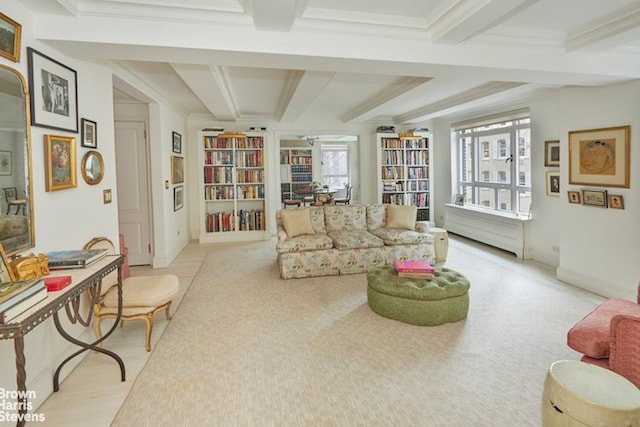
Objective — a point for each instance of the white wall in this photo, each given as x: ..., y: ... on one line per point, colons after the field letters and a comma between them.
x: 598, y: 248
x: 69, y: 218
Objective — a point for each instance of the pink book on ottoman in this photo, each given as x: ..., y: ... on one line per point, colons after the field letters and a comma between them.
x: 413, y: 266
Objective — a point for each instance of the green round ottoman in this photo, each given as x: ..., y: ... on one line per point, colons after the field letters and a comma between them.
x: 425, y: 302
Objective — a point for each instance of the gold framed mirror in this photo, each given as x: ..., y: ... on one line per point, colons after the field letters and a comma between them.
x: 92, y: 167
x: 16, y: 197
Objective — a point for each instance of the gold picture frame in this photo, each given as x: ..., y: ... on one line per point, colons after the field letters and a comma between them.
x: 616, y: 201
x: 600, y: 157
x: 60, y: 162
x: 177, y: 170
x: 574, y: 197
x: 10, y: 37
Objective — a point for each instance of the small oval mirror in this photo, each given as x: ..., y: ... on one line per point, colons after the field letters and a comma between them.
x: 92, y: 167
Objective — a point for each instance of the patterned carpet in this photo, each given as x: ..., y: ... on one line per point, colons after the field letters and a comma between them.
x: 246, y: 348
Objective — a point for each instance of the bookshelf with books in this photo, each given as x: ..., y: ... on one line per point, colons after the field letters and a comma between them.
x: 404, y: 173
x: 232, y: 197
x: 296, y: 172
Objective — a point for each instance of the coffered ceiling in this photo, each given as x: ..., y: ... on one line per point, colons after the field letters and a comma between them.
x: 348, y: 61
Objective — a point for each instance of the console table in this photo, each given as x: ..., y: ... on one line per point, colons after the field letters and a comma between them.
x: 86, y: 279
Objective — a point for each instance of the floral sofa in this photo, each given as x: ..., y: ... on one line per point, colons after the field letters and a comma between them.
x: 331, y: 240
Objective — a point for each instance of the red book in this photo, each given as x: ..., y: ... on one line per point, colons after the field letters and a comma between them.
x: 413, y: 266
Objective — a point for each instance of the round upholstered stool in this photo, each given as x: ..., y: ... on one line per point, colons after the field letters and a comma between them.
x: 426, y: 302
x: 581, y: 394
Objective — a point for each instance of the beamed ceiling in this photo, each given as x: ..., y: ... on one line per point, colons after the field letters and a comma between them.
x: 347, y: 61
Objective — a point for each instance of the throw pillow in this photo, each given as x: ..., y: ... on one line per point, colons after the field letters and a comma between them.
x: 403, y: 217
x: 297, y: 222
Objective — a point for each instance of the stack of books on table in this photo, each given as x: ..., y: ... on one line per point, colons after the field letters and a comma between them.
x: 76, y: 258
x: 18, y: 297
x: 416, y: 269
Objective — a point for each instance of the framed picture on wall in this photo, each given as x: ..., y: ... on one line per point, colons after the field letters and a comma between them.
x: 54, y: 93
x: 178, y: 197
x: 552, y: 153
x: 89, y: 133
x: 60, y: 162
x: 177, y: 142
x: 10, y: 34
x: 6, y: 162
x: 616, y: 201
x: 594, y: 198
x: 553, y: 183
x: 574, y: 197
x: 600, y: 157
x: 177, y: 170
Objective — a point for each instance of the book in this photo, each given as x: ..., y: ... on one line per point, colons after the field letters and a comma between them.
x: 22, y: 290
x: 413, y: 266
x: 78, y: 258
x: 8, y: 315
x: 423, y: 276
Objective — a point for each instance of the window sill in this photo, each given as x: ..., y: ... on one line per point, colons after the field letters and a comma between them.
x: 489, y: 212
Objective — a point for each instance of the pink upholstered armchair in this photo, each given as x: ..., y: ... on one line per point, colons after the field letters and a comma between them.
x: 609, y: 336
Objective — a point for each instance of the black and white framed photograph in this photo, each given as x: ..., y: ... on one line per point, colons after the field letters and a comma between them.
x: 54, y: 93
x: 177, y: 142
x: 89, y: 133
x: 178, y: 197
x: 553, y: 183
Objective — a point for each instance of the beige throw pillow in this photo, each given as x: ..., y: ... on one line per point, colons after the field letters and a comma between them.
x: 401, y: 217
x: 297, y: 222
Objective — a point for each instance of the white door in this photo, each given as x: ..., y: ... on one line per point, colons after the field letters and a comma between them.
x: 133, y: 190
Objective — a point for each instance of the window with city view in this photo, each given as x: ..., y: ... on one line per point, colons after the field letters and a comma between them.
x: 494, y: 167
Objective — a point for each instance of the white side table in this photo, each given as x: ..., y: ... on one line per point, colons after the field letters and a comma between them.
x: 581, y: 394
x: 440, y: 243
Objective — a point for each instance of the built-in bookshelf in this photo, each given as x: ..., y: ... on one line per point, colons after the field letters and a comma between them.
x: 296, y: 172
x: 404, y: 173
x: 233, y: 187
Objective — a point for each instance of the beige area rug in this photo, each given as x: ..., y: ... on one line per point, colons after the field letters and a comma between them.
x: 246, y: 348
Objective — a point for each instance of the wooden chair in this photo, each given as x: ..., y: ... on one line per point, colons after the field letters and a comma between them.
x: 142, y: 296
x: 11, y: 196
x: 346, y: 199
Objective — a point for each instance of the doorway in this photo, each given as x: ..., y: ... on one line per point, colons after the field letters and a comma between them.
x: 134, y: 214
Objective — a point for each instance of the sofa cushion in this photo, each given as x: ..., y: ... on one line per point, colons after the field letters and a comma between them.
x: 376, y: 216
x: 297, y: 222
x: 349, y: 217
x: 590, y: 336
x: 403, y: 217
x: 306, y: 242
x: 395, y: 236
x: 317, y: 218
x: 352, y: 239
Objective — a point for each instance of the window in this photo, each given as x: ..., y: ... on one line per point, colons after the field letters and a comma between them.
x: 335, y: 166
x: 489, y: 153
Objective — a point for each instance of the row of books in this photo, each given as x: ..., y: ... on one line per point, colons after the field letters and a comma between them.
x: 415, y: 269
x: 248, y: 220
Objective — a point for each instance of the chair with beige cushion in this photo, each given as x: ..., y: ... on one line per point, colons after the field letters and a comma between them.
x: 142, y: 296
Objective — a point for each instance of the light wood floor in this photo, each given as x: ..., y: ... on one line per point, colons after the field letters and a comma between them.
x: 93, y: 392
